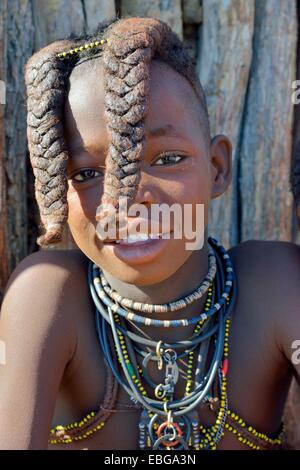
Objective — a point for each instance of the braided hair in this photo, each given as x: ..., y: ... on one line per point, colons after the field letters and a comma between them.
x: 126, y: 47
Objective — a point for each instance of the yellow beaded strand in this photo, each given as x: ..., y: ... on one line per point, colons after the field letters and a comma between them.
x: 191, y: 354
x: 269, y: 440
x: 90, y: 45
x: 208, y: 433
x: 62, y: 429
x: 66, y: 439
x: 211, y: 431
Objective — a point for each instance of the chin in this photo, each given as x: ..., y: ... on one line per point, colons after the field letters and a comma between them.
x: 147, y: 269
x: 145, y: 274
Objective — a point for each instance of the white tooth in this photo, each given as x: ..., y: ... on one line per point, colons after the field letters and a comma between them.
x: 140, y: 237
x: 155, y: 236
x: 137, y: 237
x: 131, y: 238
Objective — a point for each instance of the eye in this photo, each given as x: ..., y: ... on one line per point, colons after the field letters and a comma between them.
x: 170, y: 158
x: 89, y: 172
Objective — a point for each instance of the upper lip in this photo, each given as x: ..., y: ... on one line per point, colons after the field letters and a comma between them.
x: 129, y: 230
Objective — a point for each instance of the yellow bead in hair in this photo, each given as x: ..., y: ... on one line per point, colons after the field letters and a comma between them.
x: 81, y: 48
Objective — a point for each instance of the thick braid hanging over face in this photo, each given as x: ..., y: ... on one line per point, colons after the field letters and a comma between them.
x: 46, y: 78
x: 128, y: 46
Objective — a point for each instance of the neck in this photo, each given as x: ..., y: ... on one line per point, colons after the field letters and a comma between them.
x: 184, y: 281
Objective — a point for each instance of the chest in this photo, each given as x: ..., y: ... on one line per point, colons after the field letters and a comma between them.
x: 257, y: 386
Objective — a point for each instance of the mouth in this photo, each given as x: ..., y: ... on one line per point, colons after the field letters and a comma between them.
x: 141, y: 239
x: 140, y: 248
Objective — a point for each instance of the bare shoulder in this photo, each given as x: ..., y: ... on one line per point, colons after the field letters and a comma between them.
x: 40, y: 294
x: 262, y: 247
x: 275, y: 261
x: 39, y: 328
x: 54, y: 265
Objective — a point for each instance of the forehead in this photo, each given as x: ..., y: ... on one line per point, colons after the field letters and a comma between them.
x: 172, y: 103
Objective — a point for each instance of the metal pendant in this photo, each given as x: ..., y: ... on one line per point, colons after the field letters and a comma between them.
x: 158, y: 433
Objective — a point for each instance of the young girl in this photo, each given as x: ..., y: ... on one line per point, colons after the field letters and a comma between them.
x: 142, y: 344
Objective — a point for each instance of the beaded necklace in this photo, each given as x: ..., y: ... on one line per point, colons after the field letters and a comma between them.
x: 150, y: 308
x: 167, y: 423
x: 108, y: 297
x: 171, y: 434
x: 196, y: 441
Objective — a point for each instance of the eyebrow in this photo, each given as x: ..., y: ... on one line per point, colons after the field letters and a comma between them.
x: 168, y: 129
x: 80, y: 146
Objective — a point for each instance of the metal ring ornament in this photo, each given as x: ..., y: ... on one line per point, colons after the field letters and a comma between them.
x: 176, y: 429
x: 160, y: 440
x: 182, y: 439
x: 156, y: 392
x: 170, y: 355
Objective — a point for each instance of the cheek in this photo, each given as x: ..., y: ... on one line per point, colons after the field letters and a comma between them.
x: 82, y: 212
x: 193, y: 187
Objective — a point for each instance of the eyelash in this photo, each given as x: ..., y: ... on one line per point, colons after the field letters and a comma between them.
x: 161, y: 157
x: 170, y: 155
x: 82, y: 171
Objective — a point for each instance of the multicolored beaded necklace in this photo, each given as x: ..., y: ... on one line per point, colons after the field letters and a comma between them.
x: 165, y: 423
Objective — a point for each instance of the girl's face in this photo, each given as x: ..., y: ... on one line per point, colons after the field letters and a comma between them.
x: 174, y: 125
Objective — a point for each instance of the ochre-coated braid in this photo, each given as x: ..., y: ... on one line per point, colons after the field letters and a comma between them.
x: 126, y: 59
x: 45, y: 79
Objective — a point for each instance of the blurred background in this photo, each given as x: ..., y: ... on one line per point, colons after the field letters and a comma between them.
x: 247, y: 58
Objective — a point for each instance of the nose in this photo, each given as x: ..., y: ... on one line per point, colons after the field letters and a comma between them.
x: 138, y: 208
x: 147, y: 192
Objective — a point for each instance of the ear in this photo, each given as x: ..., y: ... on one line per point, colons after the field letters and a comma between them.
x: 221, y: 161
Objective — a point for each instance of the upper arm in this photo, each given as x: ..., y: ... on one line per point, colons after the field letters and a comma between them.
x: 272, y: 273
x: 39, y: 339
x: 288, y: 325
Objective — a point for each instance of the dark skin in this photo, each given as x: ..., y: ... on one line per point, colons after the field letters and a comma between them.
x: 60, y: 370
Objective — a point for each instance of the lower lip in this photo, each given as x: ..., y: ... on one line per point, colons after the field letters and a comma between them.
x: 139, y: 252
